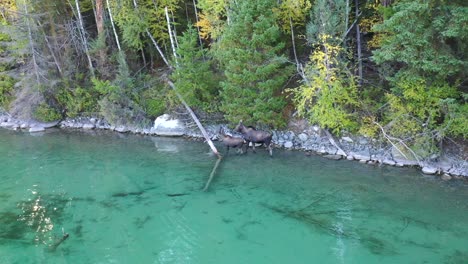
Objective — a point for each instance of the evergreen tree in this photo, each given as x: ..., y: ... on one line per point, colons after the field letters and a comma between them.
x: 193, y: 77
x: 424, y: 43
x: 255, y: 72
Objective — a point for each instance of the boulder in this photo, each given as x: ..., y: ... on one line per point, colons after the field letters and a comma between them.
x: 303, y: 137
x: 166, y: 126
x: 88, y: 126
x: 389, y: 162
x: 406, y: 162
x: 8, y: 124
x: 347, y: 139
x: 333, y: 157
x: 360, y: 156
x: 36, y: 129
x: 288, y: 144
x: 122, y: 129
x: 429, y: 170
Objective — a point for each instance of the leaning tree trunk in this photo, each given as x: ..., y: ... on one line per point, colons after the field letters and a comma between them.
x: 204, y: 133
x: 99, y: 15
x: 135, y: 5
x: 113, y: 25
x: 83, y: 38
x: 358, y: 40
x: 31, y: 44
x: 171, y: 36
x: 198, y: 28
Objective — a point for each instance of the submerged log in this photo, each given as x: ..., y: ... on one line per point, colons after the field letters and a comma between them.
x: 54, y: 246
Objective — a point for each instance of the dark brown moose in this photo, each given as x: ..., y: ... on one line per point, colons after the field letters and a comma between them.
x: 231, y: 142
x: 250, y: 134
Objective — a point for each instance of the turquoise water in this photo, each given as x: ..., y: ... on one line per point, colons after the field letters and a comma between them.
x: 133, y: 199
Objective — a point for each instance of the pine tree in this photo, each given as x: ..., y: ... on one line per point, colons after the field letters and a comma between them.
x: 193, y: 77
x: 255, y: 72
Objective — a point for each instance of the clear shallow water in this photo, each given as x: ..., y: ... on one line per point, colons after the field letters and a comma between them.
x: 131, y: 199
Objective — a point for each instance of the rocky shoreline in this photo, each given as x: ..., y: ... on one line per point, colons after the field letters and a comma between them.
x: 300, y: 136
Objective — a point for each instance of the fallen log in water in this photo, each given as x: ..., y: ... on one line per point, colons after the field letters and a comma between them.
x: 205, y: 134
x: 54, y: 246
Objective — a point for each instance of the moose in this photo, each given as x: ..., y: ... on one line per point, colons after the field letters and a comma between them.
x: 250, y: 134
x: 231, y: 142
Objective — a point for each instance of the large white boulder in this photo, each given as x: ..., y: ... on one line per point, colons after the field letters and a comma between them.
x: 165, y: 125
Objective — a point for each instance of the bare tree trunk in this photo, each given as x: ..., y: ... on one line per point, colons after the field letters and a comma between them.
x: 99, y: 15
x: 153, y: 40
x: 358, y: 39
x: 170, y: 36
x: 143, y: 57
x: 174, y: 32
x: 113, y: 25
x: 347, y: 16
x: 293, y: 41
x: 198, y: 28
x: 57, y: 64
x: 158, y: 48
x: 83, y: 36
x: 31, y: 43
x: 195, y: 118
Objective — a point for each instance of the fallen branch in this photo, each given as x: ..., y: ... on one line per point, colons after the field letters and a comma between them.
x: 390, y: 138
x: 333, y: 142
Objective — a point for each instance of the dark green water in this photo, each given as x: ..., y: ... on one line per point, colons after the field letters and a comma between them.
x: 131, y: 199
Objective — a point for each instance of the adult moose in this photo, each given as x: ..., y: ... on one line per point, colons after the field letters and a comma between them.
x: 250, y: 134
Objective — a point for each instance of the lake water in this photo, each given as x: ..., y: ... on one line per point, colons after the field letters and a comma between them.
x: 133, y: 199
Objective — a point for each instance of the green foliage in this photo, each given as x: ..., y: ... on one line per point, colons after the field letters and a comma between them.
x: 6, y: 90
x: 45, y: 113
x: 104, y: 87
x: 193, y: 76
x: 422, y: 113
x: 255, y: 71
x: 78, y: 101
x: 154, y: 96
x: 118, y: 99
x: 330, y: 95
x: 5, y: 37
x: 327, y: 18
x: 133, y: 25
x: 427, y: 38
x: 292, y: 11
x: 212, y: 18
x: 456, y: 119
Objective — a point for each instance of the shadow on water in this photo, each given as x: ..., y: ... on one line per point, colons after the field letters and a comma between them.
x: 324, y: 222
x: 458, y: 257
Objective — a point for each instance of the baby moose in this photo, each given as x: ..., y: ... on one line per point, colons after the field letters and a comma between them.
x: 231, y: 142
